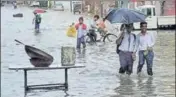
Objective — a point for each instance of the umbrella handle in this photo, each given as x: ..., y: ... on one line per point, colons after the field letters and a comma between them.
x: 19, y: 42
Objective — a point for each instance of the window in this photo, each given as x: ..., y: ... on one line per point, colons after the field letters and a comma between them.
x: 154, y: 13
x: 149, y: 12
x: 144, y: 11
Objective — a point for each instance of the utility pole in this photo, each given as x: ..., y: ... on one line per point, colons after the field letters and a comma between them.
x: 71, y: 5
x: 101, y: 7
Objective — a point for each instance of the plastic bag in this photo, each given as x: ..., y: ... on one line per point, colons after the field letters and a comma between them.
x: 71, y: 31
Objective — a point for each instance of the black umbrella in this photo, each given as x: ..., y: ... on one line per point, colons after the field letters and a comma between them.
x: 38, y: 57
x: 125, y: 16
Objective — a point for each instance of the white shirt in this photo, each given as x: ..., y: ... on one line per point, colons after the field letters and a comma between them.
x: 81, y: 32
x: 128, y: 44
x: 145, y: 41
x: 94, y: 24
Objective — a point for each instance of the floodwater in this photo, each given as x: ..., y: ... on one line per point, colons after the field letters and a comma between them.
x: 99, y: 78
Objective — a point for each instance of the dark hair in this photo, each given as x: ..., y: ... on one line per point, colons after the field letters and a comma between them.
x: 126, y: 25
x: 142, y: 23
x: 122, y: 26
x: 81, y: 18
x: 104, y: 19
x: 96, y: 16
x: 35, y: 12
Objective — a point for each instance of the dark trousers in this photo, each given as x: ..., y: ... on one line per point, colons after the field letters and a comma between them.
x: 149, y: 60
x: 37, y: 26
x: 80, y: 41
x: 126, y: 62
x: 93, y: 34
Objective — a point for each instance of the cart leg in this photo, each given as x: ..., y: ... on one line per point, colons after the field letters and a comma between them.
x: 66, y: 79
x: 25, y: 81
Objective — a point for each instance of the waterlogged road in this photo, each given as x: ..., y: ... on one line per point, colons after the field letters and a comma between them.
x: 100, y: 78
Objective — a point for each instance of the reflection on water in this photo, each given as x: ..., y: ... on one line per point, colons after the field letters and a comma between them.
x: 126, y: 86
x: 146, y: 87
x: 98, y: 79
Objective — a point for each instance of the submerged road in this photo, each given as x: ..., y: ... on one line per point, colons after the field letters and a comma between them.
x: 100, y: 78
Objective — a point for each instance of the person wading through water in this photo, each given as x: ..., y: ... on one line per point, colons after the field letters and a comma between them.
x: 81, y: 32
x: 126, y: 48
x: 37, y: 19
x: 145, y: 44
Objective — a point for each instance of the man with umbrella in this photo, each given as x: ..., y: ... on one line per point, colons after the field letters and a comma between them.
x: 127, y: 42
x: 128, y: 48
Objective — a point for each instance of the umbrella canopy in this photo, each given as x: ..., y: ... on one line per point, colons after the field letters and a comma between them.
x: 39, y: 11
x: 125, y: 16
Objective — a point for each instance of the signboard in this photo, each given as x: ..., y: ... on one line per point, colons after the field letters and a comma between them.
x: 68, y: 56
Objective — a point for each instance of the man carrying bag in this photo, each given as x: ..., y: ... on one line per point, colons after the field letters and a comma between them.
x: 126, y: 49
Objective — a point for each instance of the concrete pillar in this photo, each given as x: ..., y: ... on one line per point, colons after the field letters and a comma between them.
x: 70, y: 5
x: 101, y: 8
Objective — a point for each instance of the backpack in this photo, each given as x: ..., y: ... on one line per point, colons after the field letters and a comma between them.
x: 38, y: 19
x: 120, y: 41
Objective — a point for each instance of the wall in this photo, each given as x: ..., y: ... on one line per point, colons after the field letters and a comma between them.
x: 169, y: 8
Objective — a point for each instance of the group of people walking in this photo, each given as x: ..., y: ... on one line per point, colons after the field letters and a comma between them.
x: 81, y: 27
x: 128, y: 44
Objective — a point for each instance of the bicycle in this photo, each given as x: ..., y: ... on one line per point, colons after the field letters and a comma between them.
x: 105, y: 37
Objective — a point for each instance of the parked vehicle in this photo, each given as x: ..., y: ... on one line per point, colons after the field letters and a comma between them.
x: 77, y: 8
x: 153, y: 20
x: 35, y: 4
x: 58, y: 7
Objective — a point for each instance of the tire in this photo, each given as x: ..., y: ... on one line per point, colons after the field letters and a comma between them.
x: 89, y: 39
x: 110, y: 38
